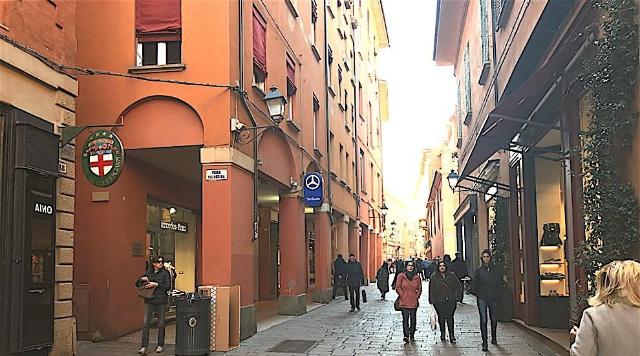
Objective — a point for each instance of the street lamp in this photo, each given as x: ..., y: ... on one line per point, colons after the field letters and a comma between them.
x: 383, y: 209
x: 452, y: 178
x: 276, y: 103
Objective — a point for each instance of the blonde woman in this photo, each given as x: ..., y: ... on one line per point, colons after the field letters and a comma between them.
x: 612, y: 325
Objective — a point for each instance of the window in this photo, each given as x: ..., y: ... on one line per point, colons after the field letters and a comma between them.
x: 467, y: 86
x: 370, y: 128
x: 484, y: 39
x: 314, y: 20
x: 348, y: 176
x: 501, y: 9
x: 371, y: 186
x: 259, y: 50
x: 360, y: 102
x: 363, y: 166
x: 342, y: 162
x: 353, y: 176
x: 339, y: 81
x: 330, y: 63
x: 316, y: 121
x: 291, y: 86
x: 158, y: 32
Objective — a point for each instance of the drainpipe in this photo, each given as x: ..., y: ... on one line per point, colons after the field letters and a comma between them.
x: 326, y: 112
x: 246, y: 106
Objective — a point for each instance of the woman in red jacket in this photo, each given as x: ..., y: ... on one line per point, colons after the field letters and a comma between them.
x: 409, y: 289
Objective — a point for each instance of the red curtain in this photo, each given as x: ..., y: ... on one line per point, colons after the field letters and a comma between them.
x: 158, y: 16
x: 259, y: 41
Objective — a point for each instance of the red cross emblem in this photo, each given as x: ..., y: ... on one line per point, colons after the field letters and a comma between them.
x: 101, y: 164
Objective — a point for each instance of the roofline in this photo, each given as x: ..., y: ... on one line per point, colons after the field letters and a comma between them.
x: 435, y: 32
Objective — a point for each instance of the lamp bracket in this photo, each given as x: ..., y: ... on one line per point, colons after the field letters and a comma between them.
x: 247, y: 135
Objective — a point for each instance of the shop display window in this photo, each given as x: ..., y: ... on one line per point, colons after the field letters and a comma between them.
x: 551, y: 227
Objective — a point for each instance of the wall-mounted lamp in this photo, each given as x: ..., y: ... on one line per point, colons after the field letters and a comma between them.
x: 492, y: 191
x: 276, y: 104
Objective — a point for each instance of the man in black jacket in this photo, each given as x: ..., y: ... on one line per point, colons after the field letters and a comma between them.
x: 159, y: 279
x: 340, y: 277
x: 355, y: 278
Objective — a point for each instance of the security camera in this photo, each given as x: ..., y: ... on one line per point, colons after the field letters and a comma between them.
x: 293, y: 183
x: 236, y: 125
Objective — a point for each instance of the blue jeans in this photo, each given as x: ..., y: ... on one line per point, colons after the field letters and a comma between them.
x: 483, y: 305
x: 149, y: 310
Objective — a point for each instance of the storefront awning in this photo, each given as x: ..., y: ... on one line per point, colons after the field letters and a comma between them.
x: 506, y: 120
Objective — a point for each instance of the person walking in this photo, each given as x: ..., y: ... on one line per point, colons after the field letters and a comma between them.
x: 459, y: 267
x: 418, y: 267
x: 611, y: 325
x: 340, y: 277
x: 426, y: 264
x: 158, y: 279
x: 486, y: 284
x: 399, y: 269
x: 444, y: 292
x: 382, y: 278
x: 409, y: 289
x: 355, y: 278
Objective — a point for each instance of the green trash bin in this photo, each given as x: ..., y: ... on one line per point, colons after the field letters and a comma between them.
x: 193, y: 324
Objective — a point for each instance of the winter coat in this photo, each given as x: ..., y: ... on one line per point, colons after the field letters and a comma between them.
x: 339, y: 272
x: 382, y: 277
x: 459, y: 267
x: 608, y: 330
x: 163, y: 279
x: 355, y: 276
x: 409, y: 290
x: 487, y: 283
x: 444, y: 288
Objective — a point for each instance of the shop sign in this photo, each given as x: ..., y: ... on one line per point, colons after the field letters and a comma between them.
x: 102, y: 158
x: 174, y: 226
x: 42, y: 208
x: 313, y: 192
x: 216, y: 174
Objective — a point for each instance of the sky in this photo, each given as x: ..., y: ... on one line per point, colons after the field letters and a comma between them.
x: 421, y: 96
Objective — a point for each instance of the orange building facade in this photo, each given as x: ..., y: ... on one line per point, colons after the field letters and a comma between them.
x: 185, y: 94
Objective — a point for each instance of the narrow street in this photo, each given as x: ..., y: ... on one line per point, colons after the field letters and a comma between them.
x: 377, y: 330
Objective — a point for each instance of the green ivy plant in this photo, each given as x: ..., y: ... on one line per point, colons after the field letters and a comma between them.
x: 499, y: 235
x: 610, y: 207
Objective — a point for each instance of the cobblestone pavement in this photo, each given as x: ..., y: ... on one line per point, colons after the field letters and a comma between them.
x: 377, y: 330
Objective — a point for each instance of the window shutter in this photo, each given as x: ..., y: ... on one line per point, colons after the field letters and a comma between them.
x: 154, y: 16
x: 259, y: 41
x: 158, y: 20
x: 484, y: 31
x: 314, y: 11
x: 467, y: 85
x: 291, y: 77
x: 497, y: 10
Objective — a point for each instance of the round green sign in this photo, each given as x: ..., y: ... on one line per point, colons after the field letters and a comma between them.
x: 102, y: 158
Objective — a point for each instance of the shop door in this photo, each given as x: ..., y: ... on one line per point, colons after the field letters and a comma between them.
x: 33, y: 238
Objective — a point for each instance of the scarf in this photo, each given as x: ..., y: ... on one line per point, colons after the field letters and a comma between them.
x: 410, y: 274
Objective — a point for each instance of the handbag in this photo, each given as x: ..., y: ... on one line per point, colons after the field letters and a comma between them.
x: 146, y: 293
x: 364, y: 296
x: 396, y: 305
x: 433, y: 319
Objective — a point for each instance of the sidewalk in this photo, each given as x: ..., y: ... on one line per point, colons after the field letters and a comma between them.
x: 376, y: 330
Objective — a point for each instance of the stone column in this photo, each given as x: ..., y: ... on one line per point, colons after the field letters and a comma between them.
x: 292, y: 299
x: 354, y: 246
x: 373, y: 260
x: 343, y: 236
x: 322, y: 225
x: 227, y: 237
x: 364, y: 254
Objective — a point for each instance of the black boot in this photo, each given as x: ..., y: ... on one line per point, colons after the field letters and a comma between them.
x: 485, y: 347
x: 442, y: 336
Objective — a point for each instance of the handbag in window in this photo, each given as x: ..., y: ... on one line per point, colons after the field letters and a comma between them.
x: 551, y: 235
